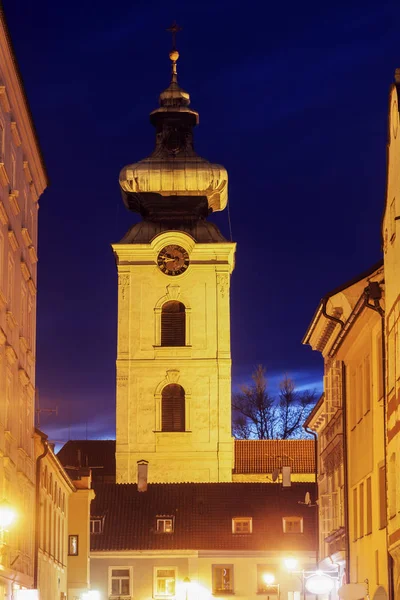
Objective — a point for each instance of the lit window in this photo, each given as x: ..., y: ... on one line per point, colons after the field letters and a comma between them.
x: 222, y: 579
x: 242, y: 525
x: 164, y: 582
x: 165, y: 525
x: 96, y: 525
x: 292, y: 524
x: 119, y: 581
x: 73, y: 545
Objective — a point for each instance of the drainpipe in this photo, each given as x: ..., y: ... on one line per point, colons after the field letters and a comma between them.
x: 314, y: 434
x: 37, y: 513
x: 345, y: 473
x: 374, y: 292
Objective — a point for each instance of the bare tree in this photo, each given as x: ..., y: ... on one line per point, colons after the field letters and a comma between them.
x: 257, y: 414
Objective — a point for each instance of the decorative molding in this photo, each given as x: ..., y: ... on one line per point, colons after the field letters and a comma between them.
x: 173, y: 291
x: 31, y: 287
x: 3, y: 174
x: 172, y: 376
x: 27, y: 171
x: 26, y: 237
x: 35, y: 195
x: 23, y: 376
x: 15, y: 133
x: 13, y: 199
x: 11, y: 320
x: 122, y: 381
x: 223, y: 283
x: 11, y: 354
x: 30, y: 357
x: 3, y: 337
x: 23, y: 344
x: 123, y: 283
x: 25, y: 270
x: 32, y: 254
x: 12, y: 238
x: 3, y: 214
x: 3, y: 299
x: 5, y: 103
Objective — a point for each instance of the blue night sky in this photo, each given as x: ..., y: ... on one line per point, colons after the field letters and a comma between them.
x: 293, y: 102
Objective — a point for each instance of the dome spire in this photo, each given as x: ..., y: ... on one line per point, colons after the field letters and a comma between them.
x: 174, y: 54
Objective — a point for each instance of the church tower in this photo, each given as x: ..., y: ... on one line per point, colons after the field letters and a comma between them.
x: 173, y: 356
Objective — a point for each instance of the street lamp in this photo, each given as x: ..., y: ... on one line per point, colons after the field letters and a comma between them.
x: 291, y: 563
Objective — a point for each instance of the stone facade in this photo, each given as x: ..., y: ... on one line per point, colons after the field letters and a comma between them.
x: 349, y: 420
x: 22, y: 181
x: 204, y: 451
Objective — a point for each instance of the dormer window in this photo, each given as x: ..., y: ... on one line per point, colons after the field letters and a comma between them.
x: 96, y: 525
x: 165, y: 525
x: 292, y: 524
x: 242, y: 525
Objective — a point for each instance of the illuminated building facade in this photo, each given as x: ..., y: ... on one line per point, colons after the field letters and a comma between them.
x: 62, y: 543
x: 349, y: 420
x: 391, y: 248
x: 22, y: 181
x: 173, y: 356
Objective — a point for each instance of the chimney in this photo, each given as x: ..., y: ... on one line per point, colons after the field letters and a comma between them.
x: 142, y: 475
x: 286, y: 477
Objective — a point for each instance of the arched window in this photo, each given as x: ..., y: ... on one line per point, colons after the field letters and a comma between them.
x: 173, y: 324
x: 173, y: 408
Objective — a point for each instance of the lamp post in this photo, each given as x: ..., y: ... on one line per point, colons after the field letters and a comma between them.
x: 316, y: 582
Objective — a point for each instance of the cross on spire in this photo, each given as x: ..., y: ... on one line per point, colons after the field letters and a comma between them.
x: 174, y: 29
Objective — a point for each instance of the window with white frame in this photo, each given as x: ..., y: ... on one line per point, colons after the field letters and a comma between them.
x: 96, y: 525
x: 119, y: 581
x: 164, y: 582
x: 292, y: 524
x: 165, y: 524
x: 242, y: 525
x: 222, y: 579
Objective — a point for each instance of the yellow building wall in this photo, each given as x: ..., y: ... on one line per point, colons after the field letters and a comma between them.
x: 55, y: 490
x: 391, y: 247
x: 79, y: 524
x: 204, y: 452
x: 365, y: 451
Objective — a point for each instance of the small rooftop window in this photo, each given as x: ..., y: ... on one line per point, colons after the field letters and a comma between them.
x: 292, y: 524
x: 165, y: 524
x: 96, y: 525
x: 242, y: 525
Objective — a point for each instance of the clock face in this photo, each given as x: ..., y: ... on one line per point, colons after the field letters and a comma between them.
x: 173, y: 260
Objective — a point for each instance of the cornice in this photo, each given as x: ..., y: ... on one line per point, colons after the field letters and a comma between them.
x: 14, y: 95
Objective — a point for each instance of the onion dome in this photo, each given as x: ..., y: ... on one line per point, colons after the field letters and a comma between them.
x: 152, y: 186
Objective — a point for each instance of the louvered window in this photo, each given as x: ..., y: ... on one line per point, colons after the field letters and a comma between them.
x: 173, y: 408
x: 173, y: 330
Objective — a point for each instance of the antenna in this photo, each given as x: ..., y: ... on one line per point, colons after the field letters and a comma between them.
x: 39, y: 410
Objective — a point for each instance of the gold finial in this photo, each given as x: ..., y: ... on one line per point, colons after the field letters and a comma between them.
x: 174, y: 54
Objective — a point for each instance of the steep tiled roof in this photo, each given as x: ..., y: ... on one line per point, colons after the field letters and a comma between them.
x: 99, y: 455
x: 203, y: 515
x: 264, y: 456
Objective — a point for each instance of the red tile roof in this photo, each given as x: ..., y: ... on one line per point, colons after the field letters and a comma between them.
x: 264, y: 456
x: 203, y: 515
x: 99, y: 455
